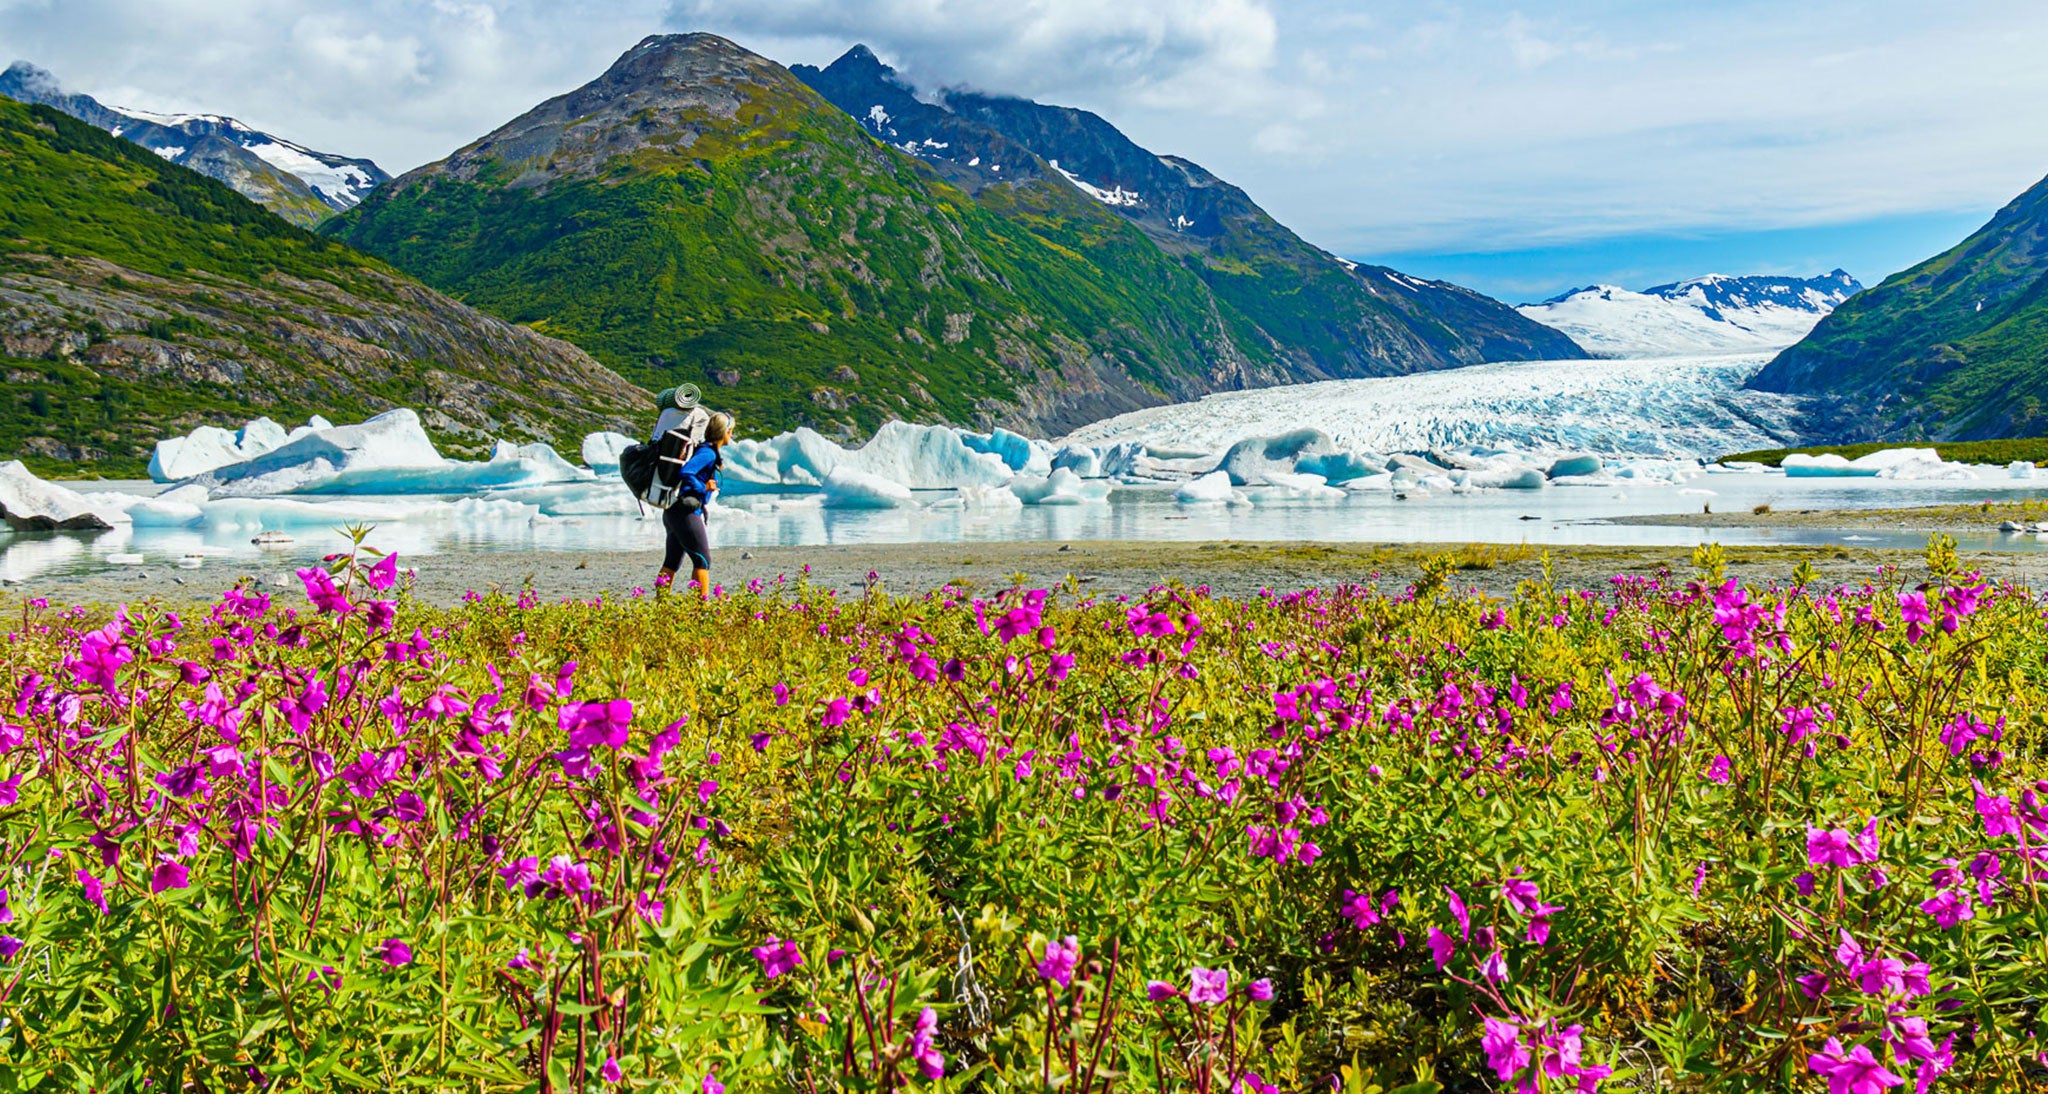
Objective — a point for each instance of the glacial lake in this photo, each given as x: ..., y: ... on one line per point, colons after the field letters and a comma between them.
x: 599, y: 517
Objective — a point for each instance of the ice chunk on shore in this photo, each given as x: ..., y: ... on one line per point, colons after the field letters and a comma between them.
x: 28, y: 504
x: 601, y: 451
x: 848, y: 488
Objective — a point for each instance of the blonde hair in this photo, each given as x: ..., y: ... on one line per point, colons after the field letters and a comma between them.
x: 719, y: 430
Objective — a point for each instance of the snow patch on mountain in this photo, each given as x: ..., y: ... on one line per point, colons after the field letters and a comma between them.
x: 1715, y: 314
x: 1684, y: 407
x: 1115, y: 195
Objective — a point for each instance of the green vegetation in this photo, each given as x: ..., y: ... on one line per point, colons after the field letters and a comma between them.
x: 1659, y: 833
x: 1955, y: 348
x: 146, y: 299
x: 772, y: 251
x: 70, y: 190
x: 2032, y: 450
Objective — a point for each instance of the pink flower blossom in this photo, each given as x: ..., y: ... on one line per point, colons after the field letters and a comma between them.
x: 1208, y: 987
x: 778, y: 956
x: 1060, y: 958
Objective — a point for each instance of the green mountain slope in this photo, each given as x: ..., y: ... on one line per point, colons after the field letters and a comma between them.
x: 1321, y: 316
x: 1955, y: 348
x: 699, y: 214
x: 139, y: 299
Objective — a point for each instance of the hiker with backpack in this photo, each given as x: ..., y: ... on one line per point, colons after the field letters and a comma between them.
x: 677, y: 472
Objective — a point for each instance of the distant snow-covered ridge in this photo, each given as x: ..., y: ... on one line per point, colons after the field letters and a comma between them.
x: 1686, y: 407
x: 245, y: 158
x: 1704, y: 315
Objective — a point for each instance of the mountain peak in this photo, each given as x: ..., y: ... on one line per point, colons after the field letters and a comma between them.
x: 29, y: 77
x: 291, y: 180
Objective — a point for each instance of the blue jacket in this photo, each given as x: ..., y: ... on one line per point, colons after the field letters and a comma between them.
x: 698, y: 468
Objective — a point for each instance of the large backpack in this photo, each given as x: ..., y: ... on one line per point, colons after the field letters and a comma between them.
x: 654, y: 472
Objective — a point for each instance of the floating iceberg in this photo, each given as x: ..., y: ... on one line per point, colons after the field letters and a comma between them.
x: 2020, y: 469
x: 848, y: 488
x: 1574, y: 467
x: 917, y: 457
x: 601, y: 451
x: 1211, y: 489
x: 208, y: 447
x: 1301, y: 451
x: 28, y: 504
x: 1062, y: 487
x: 1799, y: 465
x: 1020, y: 454
x: 1890, y: 463
x: 389, y: 454
x: 1282, y: 486
x: 981, y: 499
x: 1080, y: 459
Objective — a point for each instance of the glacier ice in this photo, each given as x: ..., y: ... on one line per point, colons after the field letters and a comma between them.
x: 1614, y: 322
x: 1080, y: 459
x: 28, y: 504
x: 389, y: 454
x: 1300, y: 451
x: 1889, y: 463
x: 1288, y: 486
x: 1020, y: 454
x: 1211, y: 489
x: 1691, y: 407
x: 917, y: 457
x: 850, y: 488
x: 1062, y: 487
x: 176, y: 459
x: 601, y: 451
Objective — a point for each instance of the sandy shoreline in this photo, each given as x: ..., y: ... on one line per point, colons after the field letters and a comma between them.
x: 1126, y: 568
x: 1981, y: 518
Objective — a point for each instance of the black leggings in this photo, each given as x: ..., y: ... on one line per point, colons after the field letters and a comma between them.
x: 686, y: 535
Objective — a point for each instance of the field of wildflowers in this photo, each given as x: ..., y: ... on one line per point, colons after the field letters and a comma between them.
x: 1674, y: 834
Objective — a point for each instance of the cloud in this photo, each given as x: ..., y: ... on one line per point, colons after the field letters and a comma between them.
x: 1162, y: 53
x: 1370, y: 126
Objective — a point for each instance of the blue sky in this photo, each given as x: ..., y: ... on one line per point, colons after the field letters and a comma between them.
x: 1520, y: 148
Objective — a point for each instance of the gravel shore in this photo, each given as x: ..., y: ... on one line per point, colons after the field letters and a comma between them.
x: 1229, y: 568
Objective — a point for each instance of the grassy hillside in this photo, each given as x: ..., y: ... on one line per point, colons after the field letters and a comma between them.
x: 707, y: 217
x: 140, y: 299
x: 1954, y: 348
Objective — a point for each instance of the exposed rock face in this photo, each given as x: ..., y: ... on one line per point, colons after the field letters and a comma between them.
x: 384, y: 342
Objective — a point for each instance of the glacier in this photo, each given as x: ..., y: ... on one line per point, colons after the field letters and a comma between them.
x: 1669, y: 408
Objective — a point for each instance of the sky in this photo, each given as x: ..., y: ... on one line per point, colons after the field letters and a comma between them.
x: 1519, y: 148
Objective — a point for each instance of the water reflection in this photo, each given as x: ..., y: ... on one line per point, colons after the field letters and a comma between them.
x: 602, y: 517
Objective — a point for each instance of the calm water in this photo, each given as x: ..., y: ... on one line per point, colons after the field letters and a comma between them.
x: 600, y: 517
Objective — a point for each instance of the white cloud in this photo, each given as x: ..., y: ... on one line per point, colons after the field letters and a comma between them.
x: 1169, y: 54
x: 1367, y: 125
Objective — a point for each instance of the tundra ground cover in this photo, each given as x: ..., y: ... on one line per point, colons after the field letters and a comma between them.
x: 1740, y: 838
